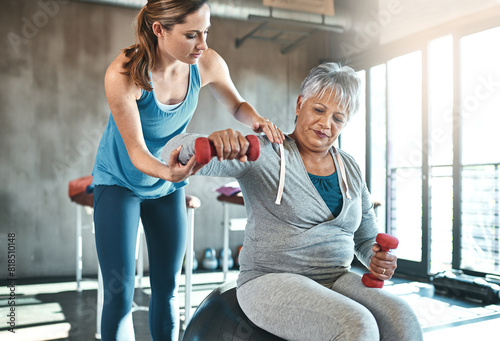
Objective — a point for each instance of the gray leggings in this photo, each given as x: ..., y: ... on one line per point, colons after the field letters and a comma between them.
x: 295, y: 307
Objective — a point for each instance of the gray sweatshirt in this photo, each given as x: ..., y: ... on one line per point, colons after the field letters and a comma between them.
x: 300, y: 235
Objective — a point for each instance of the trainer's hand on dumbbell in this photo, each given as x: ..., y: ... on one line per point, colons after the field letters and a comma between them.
x: 273, y: 133
x: 176, y: 171
x: 383, y: 264
x: 229, y: 145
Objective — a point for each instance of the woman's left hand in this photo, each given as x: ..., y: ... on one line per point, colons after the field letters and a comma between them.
x: 383, y: 264
x: 273, y: 133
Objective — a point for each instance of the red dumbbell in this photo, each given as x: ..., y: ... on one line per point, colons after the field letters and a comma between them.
x: 387, y: 243
x: 205, y: 151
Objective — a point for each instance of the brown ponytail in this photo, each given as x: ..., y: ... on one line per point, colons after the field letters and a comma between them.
x: 142, y: 53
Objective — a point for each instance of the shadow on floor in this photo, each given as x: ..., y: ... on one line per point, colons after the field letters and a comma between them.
x: 55, y: 311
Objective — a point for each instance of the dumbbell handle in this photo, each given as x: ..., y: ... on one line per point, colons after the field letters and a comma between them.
x: 387, y: 243
x: 204, y: 150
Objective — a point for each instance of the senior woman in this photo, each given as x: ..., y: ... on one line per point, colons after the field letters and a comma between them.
x: 309, y: 212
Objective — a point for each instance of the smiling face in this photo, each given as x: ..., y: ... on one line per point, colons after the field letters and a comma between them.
x: 185, y: 42
x: 320, y: 121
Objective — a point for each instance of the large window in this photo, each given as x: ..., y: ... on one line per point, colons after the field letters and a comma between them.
x: 404, y: 126
x: 433, y: 154
x: 353, y: 138
x: 378, y: 140
x: 480, y: 150
x: 440, y: 151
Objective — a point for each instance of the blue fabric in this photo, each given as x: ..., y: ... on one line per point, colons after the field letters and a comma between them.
x: 164, y: 220
x: 122, y: 195
x: 113, y: 165
x: 329, y: 189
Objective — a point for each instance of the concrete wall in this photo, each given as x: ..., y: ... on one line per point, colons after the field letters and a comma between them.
x: 53, y: 111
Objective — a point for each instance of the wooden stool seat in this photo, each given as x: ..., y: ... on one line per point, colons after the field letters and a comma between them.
x: 236, y: 199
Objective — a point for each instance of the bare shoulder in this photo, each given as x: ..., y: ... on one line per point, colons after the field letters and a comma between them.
x: 117, y: 79
x: 118, y: 64
x: 212, y: 66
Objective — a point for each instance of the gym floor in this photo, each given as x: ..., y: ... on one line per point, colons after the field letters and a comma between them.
x: 55, y: 311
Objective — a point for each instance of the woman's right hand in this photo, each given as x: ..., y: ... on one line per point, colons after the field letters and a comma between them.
x: 230, y: 144
x: 176, y: 171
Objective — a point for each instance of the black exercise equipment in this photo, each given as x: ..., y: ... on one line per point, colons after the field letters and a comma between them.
x: 456, y: 283
x: 219, y: 317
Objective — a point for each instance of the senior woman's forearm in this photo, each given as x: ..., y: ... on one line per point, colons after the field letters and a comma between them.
x: 186, y: 141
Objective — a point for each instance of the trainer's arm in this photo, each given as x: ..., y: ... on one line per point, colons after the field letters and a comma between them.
x: 215, y: 73
x: 122, y: 94
x: 186, y: 141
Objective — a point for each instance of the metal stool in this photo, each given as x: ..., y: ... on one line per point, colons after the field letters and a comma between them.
x: 234, y: 224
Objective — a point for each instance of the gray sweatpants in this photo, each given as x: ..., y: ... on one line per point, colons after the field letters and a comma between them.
x: 295, y: 307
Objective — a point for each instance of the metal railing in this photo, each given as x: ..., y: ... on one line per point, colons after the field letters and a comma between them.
x: 480, y: 214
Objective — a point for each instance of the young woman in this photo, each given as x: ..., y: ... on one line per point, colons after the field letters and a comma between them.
x: 152, y: 89
x: 309, y: 213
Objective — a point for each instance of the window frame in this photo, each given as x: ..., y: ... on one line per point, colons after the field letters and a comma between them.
x: 458, y: 29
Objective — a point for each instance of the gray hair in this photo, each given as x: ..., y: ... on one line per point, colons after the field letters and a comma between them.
x: 342, y: 81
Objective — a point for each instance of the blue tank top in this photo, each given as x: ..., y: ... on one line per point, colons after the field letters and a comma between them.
x: 113, y: 166
x: 329, y: 189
